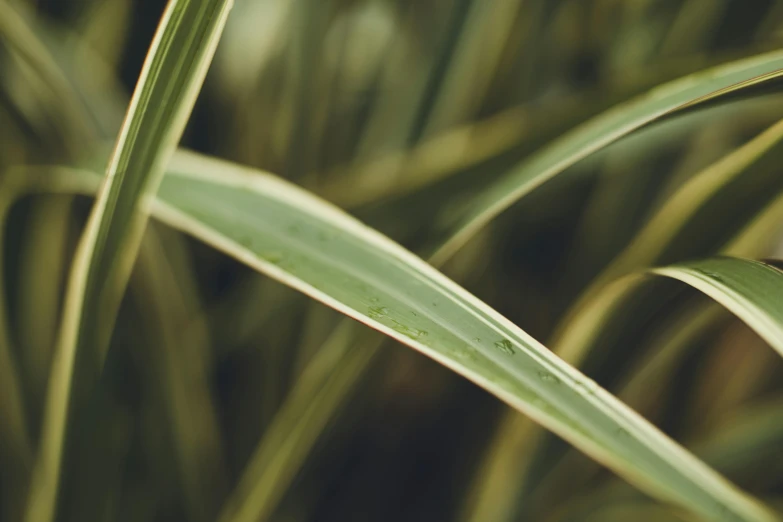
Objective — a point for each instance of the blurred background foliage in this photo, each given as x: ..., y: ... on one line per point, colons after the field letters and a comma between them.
x: 396, y: 110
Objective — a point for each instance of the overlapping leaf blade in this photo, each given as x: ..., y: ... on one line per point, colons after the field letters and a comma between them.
x: 752, y: 290
x: 164, y: 97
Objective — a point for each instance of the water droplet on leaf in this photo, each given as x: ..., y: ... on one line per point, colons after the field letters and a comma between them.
x: 548, y: 377
x: 586, y: 386
x: 505, y: 346
x: 407, y: 331
x: 377, y: 312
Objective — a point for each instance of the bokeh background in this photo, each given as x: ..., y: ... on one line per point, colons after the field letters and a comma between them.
x: 398, y: 110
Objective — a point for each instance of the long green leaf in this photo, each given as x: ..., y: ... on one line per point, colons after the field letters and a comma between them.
x: 166, y: 91
x: 314, y: 247
x: 752, y: 290
x: 605, y: 129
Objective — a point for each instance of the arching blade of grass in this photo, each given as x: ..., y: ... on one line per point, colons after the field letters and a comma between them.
x: 687, y: 92
x: 513, y: 133
x: 752, y: 290
x: 169, y: 83
x: 314, y: 247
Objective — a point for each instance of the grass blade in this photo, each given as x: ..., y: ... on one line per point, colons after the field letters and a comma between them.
x: 605, y: 129
x: 751, y: 290
x: 170, y: 81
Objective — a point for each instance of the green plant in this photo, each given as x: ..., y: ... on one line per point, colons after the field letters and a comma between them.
x: 112, y: 409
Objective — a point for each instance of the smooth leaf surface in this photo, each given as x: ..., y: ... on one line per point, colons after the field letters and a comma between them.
x: 166, y: 91
x: 752, y: 290
x: 606, y: 128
